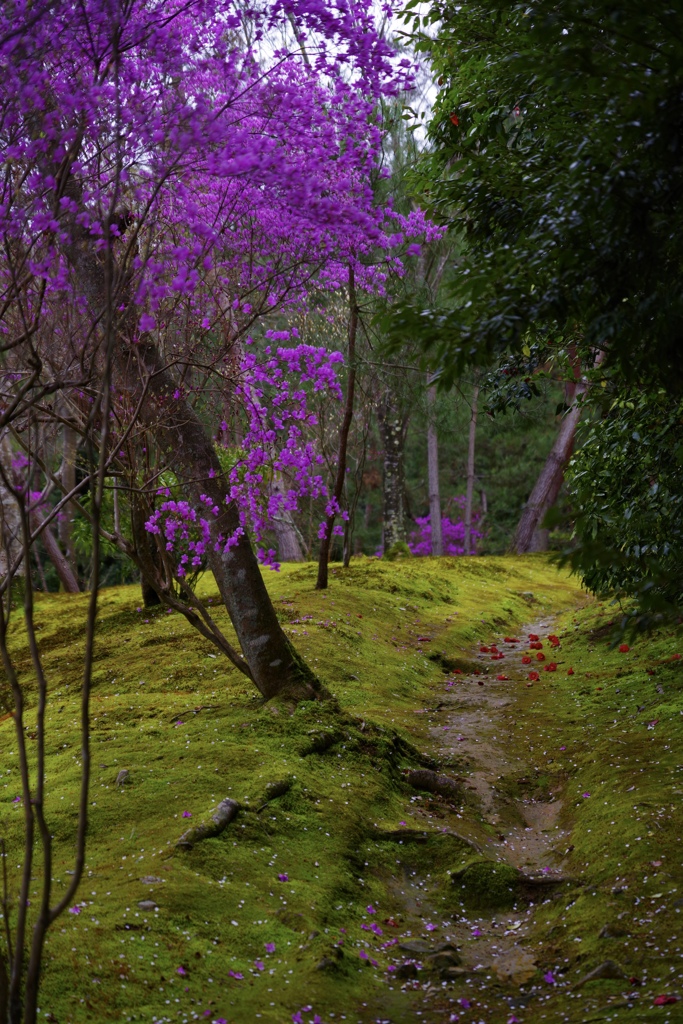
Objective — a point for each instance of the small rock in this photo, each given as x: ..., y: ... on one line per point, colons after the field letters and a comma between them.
x: 609, y: 969
x: 443, y: 961
x: 123, y: 777
x: 151, y: 880
x: 406, y: 970
x: 453, y: 973
x: 612, y: 931
x: 417, y: 946
x: 147, y: 905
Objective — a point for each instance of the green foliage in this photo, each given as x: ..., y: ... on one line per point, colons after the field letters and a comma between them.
x: 557, y: 158
x: 628, y: 495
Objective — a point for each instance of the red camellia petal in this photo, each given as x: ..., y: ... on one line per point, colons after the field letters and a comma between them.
x: 540, y: 656
x: 550, y: 667
x: 455, y: 120
x: 484, y: 650
x: 665, y: 1000
x: 533, y: 636
x: 533, y: 676
x: 526, y: 660
x: 675, y: 657
x: 536, y: 645
x: 502, y: 678
x: 624, y: 648
x: 570, y: 671
x: 457, y: 672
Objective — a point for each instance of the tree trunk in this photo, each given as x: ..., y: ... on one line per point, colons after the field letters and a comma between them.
x: 274, y: 663
x: 286, y: 533
x: 139, y: 371
x: 54, y: 553
x: 145, y: 545
x: 326, y: 541
x: 470, y: 471
x: 10, y: 519
x: 68, y: 480
x: 433, y: 475
x: 549, y: 482
x: 392, y: 427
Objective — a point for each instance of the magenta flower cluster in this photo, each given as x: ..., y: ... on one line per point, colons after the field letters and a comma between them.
x: 274, y: 388
x: 452, y: 533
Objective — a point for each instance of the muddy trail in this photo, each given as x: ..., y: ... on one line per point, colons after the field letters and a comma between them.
x: 493, y: 732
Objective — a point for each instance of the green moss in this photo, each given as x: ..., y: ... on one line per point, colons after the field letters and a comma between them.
x: 487, y: 885
x: 336, y: 832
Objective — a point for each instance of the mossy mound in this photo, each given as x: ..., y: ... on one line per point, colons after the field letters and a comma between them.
x: 487, y: 885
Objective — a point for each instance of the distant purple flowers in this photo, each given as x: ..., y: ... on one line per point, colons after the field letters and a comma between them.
x: 453, y: 535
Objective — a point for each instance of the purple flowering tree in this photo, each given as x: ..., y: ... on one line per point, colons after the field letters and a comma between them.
x: 167, y: 188
x: 453, y: 533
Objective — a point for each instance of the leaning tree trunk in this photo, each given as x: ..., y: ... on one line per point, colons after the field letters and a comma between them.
x: 139, y: 371
x: 63, y: 566
x: 549, y: 482
x: 185, y: 445
x: 433, y: 474
x: 392, y: 428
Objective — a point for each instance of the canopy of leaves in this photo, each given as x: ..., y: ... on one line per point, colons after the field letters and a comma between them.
x: 556, y: 158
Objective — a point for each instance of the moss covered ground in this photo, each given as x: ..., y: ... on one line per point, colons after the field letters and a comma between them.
x: 352, y: 895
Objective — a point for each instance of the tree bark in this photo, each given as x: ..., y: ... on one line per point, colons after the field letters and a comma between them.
x: 10, y: 519
x: 549, y: 482
x: 138, y: 370
x: 392, y: 428
x: 68, y: 479
x: 433, y: 475
x: 54, y: 553
x: 470, y: 471
x: 326, y: 541
x: 145, y: 545
x: 286, y: 533
x: 274, y: 663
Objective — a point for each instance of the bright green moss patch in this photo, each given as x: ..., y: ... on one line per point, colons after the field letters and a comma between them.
x: 277, y: 912
x: 487, y: 885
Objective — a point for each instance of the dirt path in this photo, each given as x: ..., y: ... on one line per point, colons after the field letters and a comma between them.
x: 481, y: 723
x: 512, y: 814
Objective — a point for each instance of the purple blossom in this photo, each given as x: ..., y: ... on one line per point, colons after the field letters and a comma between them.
x: 453, y: 534
x: 270, y: 947
x: 283, y: 877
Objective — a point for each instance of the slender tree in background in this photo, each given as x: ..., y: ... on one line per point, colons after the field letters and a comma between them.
x: 433, y: 473
x: 335, y: 504
x: 471, y: 447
